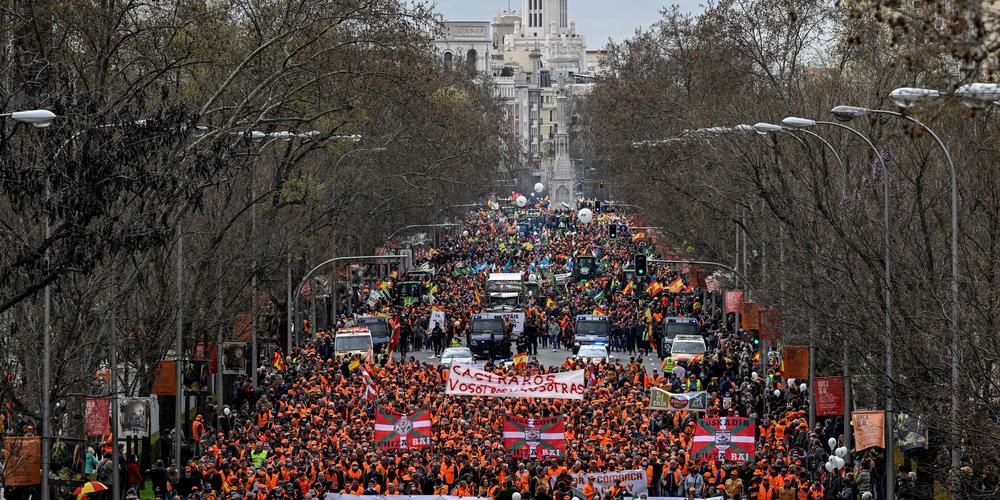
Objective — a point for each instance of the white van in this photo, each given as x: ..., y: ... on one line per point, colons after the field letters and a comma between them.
x: 353, y: 340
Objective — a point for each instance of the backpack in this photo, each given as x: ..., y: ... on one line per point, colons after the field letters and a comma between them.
x: 104, y: 470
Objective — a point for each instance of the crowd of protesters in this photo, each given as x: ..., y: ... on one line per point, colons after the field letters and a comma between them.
x: 308, y: 432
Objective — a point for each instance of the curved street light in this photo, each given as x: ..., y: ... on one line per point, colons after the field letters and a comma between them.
x: 845, y: 113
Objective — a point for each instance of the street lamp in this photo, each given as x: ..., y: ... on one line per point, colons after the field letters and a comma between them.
x: 978, y: 95
x: 799, y: 123
x: 41, y: 118
x: 845, y: 113
x: 38, y: 118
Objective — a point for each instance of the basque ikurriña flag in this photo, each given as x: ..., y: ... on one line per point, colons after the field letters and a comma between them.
x: 725, y: 439
x: 401, y: 430
x: 534, y: 437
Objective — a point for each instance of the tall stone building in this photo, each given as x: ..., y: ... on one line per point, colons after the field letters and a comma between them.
x: 533, y: 58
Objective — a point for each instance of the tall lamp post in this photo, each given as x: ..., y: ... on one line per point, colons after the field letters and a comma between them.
x: 42, y: 118
x: 799, y: 123
x: 845, y: 113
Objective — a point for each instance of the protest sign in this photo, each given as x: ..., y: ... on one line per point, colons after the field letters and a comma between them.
x: 467, y: 381
x: 660, y: 399
x: 436, y: 317
x: 634, y: 481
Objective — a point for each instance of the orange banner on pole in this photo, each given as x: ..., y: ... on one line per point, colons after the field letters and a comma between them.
x: 869, y: 429
x: 750, y: 315
x: 24, y: 461
x: 795, y: 362
x: 165, y: 380
x: 770, y: 322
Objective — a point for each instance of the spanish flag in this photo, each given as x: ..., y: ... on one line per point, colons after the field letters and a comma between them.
x: 676, y: 286
x: 628, y: 288
x: 436, y: 307
x: 354, y: 364
x: 521, y: 359
x: 654, y: 288
x: 278, y: 362
x: 477, y: 299
x: 599, y: 312
x: 641, y: 235
x: 549, y: 303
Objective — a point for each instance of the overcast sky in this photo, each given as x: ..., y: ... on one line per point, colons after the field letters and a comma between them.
x: 596, y: 19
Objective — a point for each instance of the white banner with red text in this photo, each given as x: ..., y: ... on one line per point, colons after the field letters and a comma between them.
x: 464, y: 380
x: 633, y: 482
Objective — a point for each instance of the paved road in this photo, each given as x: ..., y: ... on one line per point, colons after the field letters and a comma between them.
x: 549, y: 358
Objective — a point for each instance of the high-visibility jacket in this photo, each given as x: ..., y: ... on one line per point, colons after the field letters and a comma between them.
x: 258, y: 457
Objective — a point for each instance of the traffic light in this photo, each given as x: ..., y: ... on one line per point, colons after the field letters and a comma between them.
x: 597, y: 206
x: 640, y: 265
x: 613, y: 230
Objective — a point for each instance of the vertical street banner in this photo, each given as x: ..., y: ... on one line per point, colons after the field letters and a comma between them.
x: 750, y: 315
x: 97, y: 417
x: 165, y: 378
x: 829, y: 396
x: 869, y: 429
x: 726, y: 439
x: 23, y: 463
x: 534, y: 437
x: 401, y: 430
x: 734, y: 301
x: 770, y: 322
x: 660, y: 399
x: 133, y: 417
x: 795, y: 362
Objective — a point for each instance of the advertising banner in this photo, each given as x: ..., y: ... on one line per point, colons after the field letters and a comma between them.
x: 97, y: 417
x: 734, y: 300
x: 869, y: 429
x: 660, y: 399
x: 133, y: 417
x: 464, y: 380
x: 829, y: 396
x: 795, y: 362
x: 23, y: 464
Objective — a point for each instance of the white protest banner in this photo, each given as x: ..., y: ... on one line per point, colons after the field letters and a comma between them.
x: 464, y: 380
x: 436, y: 316
x: 515, y: 317
x: 684, y: 498
x: 634, y: 481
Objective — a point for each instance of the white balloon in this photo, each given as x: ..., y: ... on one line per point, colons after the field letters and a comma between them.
x: 802, y: 387
x: 777, y: 393
x: 516, y: 496
x: 867, y: 496
x: 585, y: 216
x: 839, y: 462
x: 539, y: 187
x: 753, y: 374
x: 832, y: 442
x: 791, y: 382
x: 521, y: 202
x: 840, y: 452
x: 465, y: 233
x: 828, y: 466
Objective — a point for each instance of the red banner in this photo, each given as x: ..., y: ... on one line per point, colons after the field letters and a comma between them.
x: 97, y: 417
x: 770, y: 321
x: 829, y: 396
x: 734, y: 299
x: 534, y: 437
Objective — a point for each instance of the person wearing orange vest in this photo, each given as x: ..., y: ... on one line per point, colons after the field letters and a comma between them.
x: 197, y: 429
x: 589, y: 489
